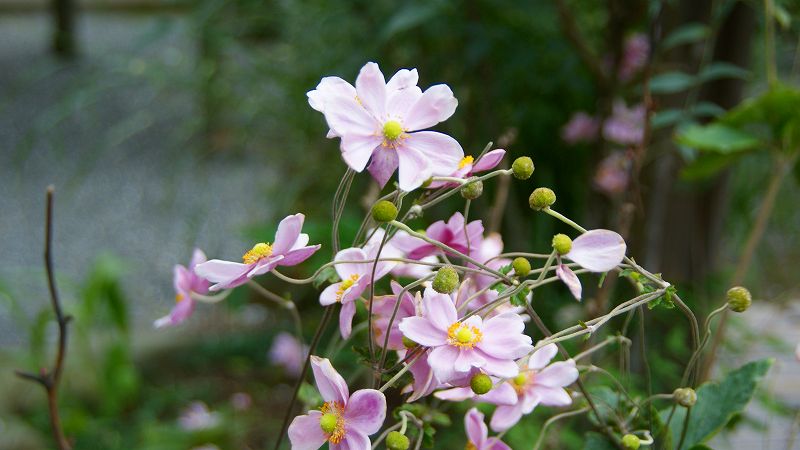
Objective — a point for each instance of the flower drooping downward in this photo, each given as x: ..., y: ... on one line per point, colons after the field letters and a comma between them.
x: 344, y: 421
x: 478, y: 433
x: 289, y: 248
x: 185, y: 282
x: 379, y: 122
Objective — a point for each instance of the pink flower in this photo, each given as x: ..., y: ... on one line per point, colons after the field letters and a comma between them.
x: 478, y: 433
x: 625, y: 126
x: 185, y: 283
x: 613, y: 173
x: 596, y: 251
x: 198, y: 417
x: 424, y: 380
x: 344, y: 421
x: 634, y: 57
x: 290, y: 248
x: 486, y: 252
x: 288, y: 353
x: 459, y: 345
x: 356, y: 278
x: 541, y: 384
x: 466, y: 168
x: 382, y: 309
x: 453, y: 233
x: 580, y: 128
x: 379, y: 123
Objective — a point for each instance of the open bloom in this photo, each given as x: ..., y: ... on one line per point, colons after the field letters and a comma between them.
x: 288, y: 352
x: 459, y: 345
x: 379, y: 123
x: 344, y: 421
x: 541, y: 384
x: 356, y: 278
x: 468, y: 167
x: 289, y: 248
x: 478, y: 433
x: 626, y: 125
x: 453, y: 234
x: 185, y: 282
x: 596, y: 251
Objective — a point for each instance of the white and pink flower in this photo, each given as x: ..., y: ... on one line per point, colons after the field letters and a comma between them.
x: 468, y: 167
x: 288, y: 352
x: 345, y: 421
x: 596, y: 251
x: 453, y: 233
x: 459, y: 345
x: 540, y: 384
x: 478, y: 433
x: 379, y: 124
x: 185, y: 283
x: 289, y: 248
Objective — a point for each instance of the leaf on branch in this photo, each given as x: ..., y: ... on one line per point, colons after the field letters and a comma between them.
x: 687, y: 34
x: 716, y: 138
x: 672, y: 82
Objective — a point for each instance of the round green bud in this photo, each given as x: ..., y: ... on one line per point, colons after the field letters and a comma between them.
x: 408, y: 343
x: 384, y: 211
x: 397, y: 441
x: 739, y: 299
x: 521, y: 266
x: 472, y: 190
x: 481, y: 384
x: 541, y: 198
x: 686, y: 397
x: 562, y: 244
x: 631, y: 442
x: 328, y: 422
x: 522, y: 168
x: 446, y: 280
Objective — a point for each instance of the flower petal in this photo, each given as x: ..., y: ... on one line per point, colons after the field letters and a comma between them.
x: 296, y: 256
x: 353, y: 440
x: 476, y: 429
x: 414, y: 168
x: 226, y: 274
x: 422, y: 331
x: 197, y: 257
x: 598, y: 250
x: 502, y: 368
x: 330, y: 384
x: 441, y: 359
x: 503, y: 394
x: 371, y: 89
x: 439, y: 309
x: 383, y: 164
x: 505, y: 417
x: 541, y: 358
x: 553, y: 396
x: 346, y: 116
x: 489, y: 161
x: 287, y: 234
x: 357, y: 149
x: 347, y: 269
x: 494, y: 443
x: 327, y: 88
x: 442, y: 151
x: 346, y: 318
x: 436, y: 105
x: 565, y: 274
x: 558, y: 374
x: 305, y: 432
x: 366, y: 411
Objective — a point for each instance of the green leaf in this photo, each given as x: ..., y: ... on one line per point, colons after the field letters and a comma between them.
x: 718, y: 70
x: 701, y: 447
x: 716, y: 138
x: 687, y: 34
x: 717, y: 403
x: 326, y: 275
x: 708, y: 165
x: 671, y: 82
x: 782, y: 16
x: 596, y: 441
x: 667, y: 118
x: 707, y: 109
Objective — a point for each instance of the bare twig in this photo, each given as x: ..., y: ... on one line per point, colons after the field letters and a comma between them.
x: 50, y: 379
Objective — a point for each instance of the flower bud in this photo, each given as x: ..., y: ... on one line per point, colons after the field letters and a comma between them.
x: 562, y: 244
x: 446, y: 280
x: 397, y: 441
x: 630, y: 442
x: 522, y: 168
x: 541, y: 198
x: 384, y: 211
x: 481, y: 384
x: 408, y: 343
x: 521, y: 266
x: 686, y: 397
x: 739, y: 299
x: 472, y: 190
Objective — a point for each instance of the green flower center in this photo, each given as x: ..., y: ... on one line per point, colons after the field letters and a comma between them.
x: 392, y: 130
x: 328, y: 423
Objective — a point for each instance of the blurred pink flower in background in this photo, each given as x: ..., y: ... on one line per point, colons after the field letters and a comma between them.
x: 581, y: 128
x: 241, y: 401
x: 634, y: 56
x: 288, y: 353
x: 197, y: 416
x: 613, y: 173
x: 626, y: 125
x: 185, y: 282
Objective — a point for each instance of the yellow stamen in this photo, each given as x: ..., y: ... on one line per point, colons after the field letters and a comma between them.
x: 470, y: 446
x: 260, y: 250
x: 178, y: 298
x: 338, y: 430
x: 346, y: 284
x: 465, y: 161
x: 462, y: 335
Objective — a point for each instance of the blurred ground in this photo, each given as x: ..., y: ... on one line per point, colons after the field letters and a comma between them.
x: 139, y: 188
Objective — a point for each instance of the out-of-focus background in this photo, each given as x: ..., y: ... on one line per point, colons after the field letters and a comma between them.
x: 167, y: 125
